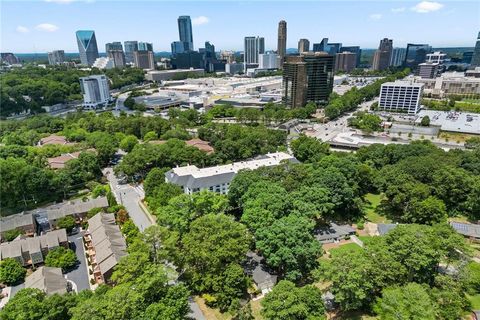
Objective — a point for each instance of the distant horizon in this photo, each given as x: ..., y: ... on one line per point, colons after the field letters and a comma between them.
x: 50, y: 25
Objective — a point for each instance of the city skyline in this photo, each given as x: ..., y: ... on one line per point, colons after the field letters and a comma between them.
x: 51, y: 25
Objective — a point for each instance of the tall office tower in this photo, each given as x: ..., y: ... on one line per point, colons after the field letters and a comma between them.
x: 345, y: 61
x: 118, y: 58
x: 416, y: 53
x: 282, y: 42
x: 185, y: 32
x: 400, y: 96
x: 209, y: 57
x: 144, y: 59
x: 253, y: 47
x: 307, y: 78
x: 268, y: 60
x: 87, y: 46
x: 56, y: 57
x: 9, y: 58
x: 95, y: 90
x: 330, y: 48
x: 303, y: 45
x: 130, y: 47
x: 476, y: 53
x: 228, y: 56
x: 398, y: 56
x: 113, y: 46
x: 428, y: 70
x: 177, y: 47
x: 145, y: 46
x: 353, y: 49
x: 381, y: 59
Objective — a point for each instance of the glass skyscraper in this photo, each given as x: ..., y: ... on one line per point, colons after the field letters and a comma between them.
x: 476, y: 53
x: 145, y: 46
x: 130, y: 47
x: 416, y: 54
x: 185, y: 32
x: 113, y: 46
x: 87, y: 46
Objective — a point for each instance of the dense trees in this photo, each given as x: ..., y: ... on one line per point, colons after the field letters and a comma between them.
x: 67, y: 222
x: 287, y: 302
x: 308, y: 149
x: 11, y: 271
x: 365, y: 121
x: 61, y: 258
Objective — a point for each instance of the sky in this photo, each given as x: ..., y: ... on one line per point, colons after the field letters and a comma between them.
x: 45, y: 25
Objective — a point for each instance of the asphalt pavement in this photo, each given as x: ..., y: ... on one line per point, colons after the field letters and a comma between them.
x: 79, y: 275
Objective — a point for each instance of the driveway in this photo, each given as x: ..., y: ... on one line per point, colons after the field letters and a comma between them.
x: 130, y: 197
x: 79, y: 275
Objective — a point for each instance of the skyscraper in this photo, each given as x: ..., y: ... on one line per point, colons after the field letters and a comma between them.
x: 95, y: 90
x: 185, y: 32
x: 353, y: 49
x: 282, y: 42
x: 303, y: 45
x: 381, y: 59
x: 416, y: 53
x: 130, y: 47
x: 307, y: 78
x: 345, y: 61
x: 56, y: 57
x: 398, y: 57
x: 87, y: 46
x: 253, y: 47
x: 476, y: 53
x: 145, y: 46
x: 113, y: 46
x: 118, y: 58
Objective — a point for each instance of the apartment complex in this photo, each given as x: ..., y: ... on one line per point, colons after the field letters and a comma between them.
x: 307, y: 78
x: 47, y: 279
x: 217, y: 179
x: 95, y: 90
x: 400, y: 96
x: 105, y: 245
x: 33, y: 250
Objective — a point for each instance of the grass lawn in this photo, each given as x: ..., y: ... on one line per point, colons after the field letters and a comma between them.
x: 364, y: 239
x: 475, y: 301
x: 345, y: 247
x: 256, y: 308
x: 209, y: 313
x: 373, y: 200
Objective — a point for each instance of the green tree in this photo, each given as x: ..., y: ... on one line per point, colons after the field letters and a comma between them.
x: 287, y: 302
x: 450, y: 299
x: 10, y: 235
x: 11, y: 271
x: 428, y: 211
x: 61, y: 258
x: 289, y: 247
x: 307, y: 149
x: 128, y: 143
x: 411, y: 301
x: 27, y: 304
x: 425, y: 122
x: 67, y: 222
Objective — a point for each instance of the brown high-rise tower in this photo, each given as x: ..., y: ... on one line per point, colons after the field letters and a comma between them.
x: 381, y: 59
x: 282, y: 42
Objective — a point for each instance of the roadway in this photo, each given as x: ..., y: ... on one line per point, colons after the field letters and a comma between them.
x: 130, y: 197
x: 79, y: 275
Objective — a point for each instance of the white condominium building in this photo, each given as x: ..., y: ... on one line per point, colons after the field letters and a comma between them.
x: 217, y: 179
x: 95, y: 90
x: 400, y: 96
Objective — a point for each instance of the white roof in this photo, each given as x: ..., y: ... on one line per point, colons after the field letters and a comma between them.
x: 402, y: 84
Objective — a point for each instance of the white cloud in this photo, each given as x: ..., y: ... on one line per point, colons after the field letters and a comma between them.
x: 47, y: 27
x: 427, y: 6
x: 375, y: 16
x: 22, y: 29
x: 197, y: 21
x: 397, y: 10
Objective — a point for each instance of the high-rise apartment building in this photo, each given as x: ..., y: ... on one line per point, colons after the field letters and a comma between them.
x: 144, y: 59
x: 268, y: 60
x: 475, y: 62
x: 400, y: 96
x: 118, y: 58
x: 307, y: 78
x: 95, y: 90
x: 87, y: 46
x: 353, y: 49
x: 303, y: 45
x: 113, y: 46
x: 145, y: 46
x: 185, y: 32
x: 381, y: 58
x: 56, y: 57
x: 130, y: 47
x: 282, y: 42
x: 416, y: 53
x: 398, y: 57
x: 253, y: 47
x: 345, y: 61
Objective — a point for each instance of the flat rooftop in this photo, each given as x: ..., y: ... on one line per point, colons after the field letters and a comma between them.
x: 464, y: 122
